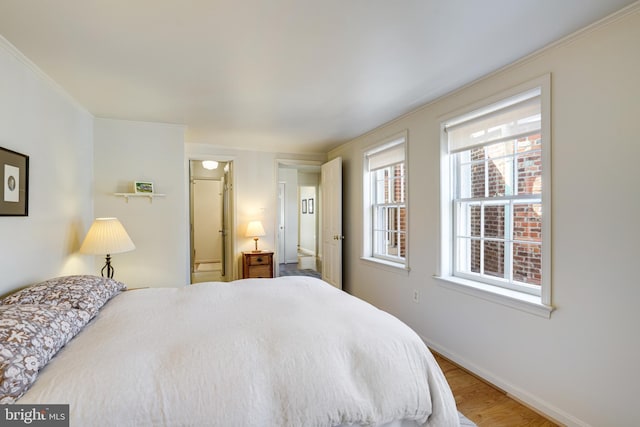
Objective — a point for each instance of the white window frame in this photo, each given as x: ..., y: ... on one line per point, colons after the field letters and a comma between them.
x: 529, y: 299
x: 368, y: 240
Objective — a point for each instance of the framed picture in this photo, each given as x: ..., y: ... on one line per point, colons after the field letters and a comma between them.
x: 304, y: 206
x: 14, y: 200
x: 144, y: 187
x: 310, y: 206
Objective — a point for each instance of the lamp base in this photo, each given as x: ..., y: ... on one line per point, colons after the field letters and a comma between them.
x: 255, y: 239
x: 108, y: 267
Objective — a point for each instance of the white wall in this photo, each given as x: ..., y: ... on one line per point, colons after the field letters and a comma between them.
x: 291, y: 215
x: 308, y: 221
x: 580, y: 366
x: 127, y: 151
x: 38, y: 119
x: 312, y: 228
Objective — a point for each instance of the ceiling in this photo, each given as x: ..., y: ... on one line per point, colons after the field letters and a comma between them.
x: 279, y: 75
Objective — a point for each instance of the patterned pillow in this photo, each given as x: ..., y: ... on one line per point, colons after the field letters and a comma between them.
x: 30, y: 335
x: 81, y: 292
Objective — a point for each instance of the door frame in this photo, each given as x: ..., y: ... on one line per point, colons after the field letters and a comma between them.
x: 232, y: 272
x: 280, y: 241
x: 295, y: 164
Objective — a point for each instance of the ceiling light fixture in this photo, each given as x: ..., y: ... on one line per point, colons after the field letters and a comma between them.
x: 209, y: 164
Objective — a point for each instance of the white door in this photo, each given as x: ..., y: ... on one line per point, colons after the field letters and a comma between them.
x: 331, y: 182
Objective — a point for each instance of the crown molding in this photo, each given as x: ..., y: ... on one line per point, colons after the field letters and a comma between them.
x: 570, y: 38
x: 37, y: 71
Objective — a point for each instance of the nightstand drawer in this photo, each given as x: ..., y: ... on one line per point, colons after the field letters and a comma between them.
x: 259, y: 260
x: 261, y: 271
x: 257, y: 264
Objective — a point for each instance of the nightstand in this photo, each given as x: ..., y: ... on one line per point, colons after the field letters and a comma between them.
x: 257, y: 264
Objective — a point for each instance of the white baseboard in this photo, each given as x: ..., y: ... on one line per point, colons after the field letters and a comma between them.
x: 205, y: 260
x: 545, y: 408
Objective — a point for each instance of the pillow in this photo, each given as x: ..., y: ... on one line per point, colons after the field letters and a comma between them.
x: 30, y: 335
x: 81, y: 292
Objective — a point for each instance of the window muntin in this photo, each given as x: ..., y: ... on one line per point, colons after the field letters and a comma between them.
x: 496, y: 172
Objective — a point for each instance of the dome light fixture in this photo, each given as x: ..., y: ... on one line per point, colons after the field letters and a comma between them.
x: 209, y: 164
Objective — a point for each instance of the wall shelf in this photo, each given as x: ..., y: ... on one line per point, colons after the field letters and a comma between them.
x: 151, y: 196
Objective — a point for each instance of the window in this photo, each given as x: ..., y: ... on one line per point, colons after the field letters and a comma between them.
x: 385, y: 201
x: 496, y: 214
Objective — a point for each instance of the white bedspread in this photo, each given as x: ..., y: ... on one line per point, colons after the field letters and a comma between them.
x: 292, y: 351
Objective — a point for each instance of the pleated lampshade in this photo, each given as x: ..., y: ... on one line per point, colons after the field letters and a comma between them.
x: 106, y: 236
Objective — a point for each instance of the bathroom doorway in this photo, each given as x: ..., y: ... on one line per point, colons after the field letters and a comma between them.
x: 210, y: 218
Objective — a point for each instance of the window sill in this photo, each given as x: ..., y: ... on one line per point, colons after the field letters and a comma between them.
x: 518, y: 300
x: 387, y: 265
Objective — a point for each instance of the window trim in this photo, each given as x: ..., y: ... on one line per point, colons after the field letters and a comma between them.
x: 539, y: 305
x: 367, y: 237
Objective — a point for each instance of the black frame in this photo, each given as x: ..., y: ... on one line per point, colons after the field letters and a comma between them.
x: 304, y: 206
x: 310, y: 206
x: 14, y: 201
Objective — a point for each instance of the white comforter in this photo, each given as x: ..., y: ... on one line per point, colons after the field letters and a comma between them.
x: 259, y: 352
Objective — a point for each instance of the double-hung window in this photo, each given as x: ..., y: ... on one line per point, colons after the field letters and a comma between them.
x: 497, y: 207
x: 385, y: 201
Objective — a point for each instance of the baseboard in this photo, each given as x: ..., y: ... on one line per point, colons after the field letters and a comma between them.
x: 205, y: 261
x: 527, y: 399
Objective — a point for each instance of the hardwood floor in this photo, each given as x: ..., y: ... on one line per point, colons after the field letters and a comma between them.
x: 484, y: 404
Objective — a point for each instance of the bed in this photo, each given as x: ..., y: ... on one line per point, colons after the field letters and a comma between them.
x: 291, y: 351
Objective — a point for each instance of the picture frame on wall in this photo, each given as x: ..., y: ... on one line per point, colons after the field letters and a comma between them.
x: 304, y: 206
x: 143, y: 187
x: 14, y: 200
x: 310, y: 206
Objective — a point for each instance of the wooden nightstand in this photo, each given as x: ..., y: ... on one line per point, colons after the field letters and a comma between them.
x: 257, y: 264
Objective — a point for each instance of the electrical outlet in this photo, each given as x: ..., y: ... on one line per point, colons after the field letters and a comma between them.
x: 416, y: 296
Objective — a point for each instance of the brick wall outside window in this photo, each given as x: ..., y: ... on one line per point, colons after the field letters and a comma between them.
x: 527, y: 222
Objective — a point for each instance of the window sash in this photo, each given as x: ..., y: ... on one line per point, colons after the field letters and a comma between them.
x: 500, y: 132
x: 388, y: 241
x: 464, y: 236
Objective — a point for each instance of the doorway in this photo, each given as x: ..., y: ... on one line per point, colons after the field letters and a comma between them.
x: 210, y: 221
x: 299, y: 247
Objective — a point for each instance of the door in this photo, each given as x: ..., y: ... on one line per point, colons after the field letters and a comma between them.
x: 331, y: 183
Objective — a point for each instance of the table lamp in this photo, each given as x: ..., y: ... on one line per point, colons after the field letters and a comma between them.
x: 106, y: 236
x: 255, y: 230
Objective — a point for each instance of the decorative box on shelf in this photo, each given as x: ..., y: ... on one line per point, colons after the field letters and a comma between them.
x: 257, y: 264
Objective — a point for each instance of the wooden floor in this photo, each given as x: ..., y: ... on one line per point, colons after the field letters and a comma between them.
x: 485, y: 405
